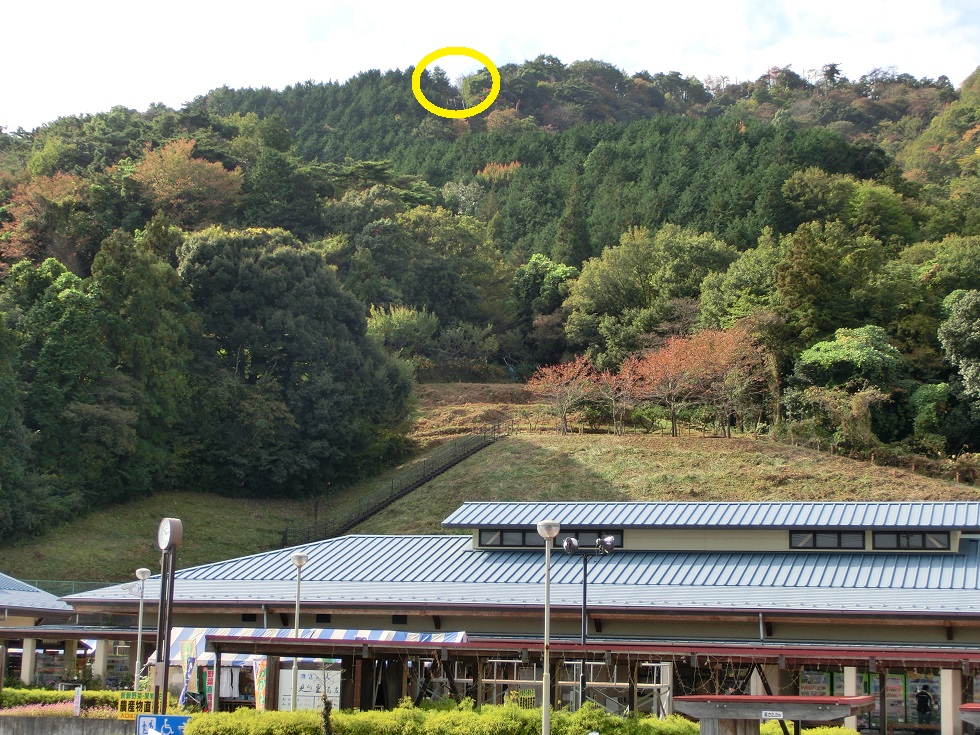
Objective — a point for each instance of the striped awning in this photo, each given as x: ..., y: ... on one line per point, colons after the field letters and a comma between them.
x: 199, y: 637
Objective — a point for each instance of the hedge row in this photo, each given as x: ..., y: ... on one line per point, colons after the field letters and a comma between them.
x: 488, y: 720
x: 90, y: 698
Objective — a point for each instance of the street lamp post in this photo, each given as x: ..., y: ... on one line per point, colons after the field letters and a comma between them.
x: 298, y: 559
x: 141, y: 574
x: 603, y: 545
x: 547, y: 530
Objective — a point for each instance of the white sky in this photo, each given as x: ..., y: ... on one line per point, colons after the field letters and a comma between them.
x: 65, y: 58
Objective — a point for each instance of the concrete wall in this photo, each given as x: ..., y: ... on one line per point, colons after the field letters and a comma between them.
x: 64, y: 726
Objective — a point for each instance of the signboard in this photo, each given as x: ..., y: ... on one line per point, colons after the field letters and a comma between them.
x: 209, y: 688
x: 814, y: 683
x: 162, y: 724
x: 312, y: 686
x: 77, y: 706
x: 132, y: 704
x: 260, y: 673
x: 771, y: 714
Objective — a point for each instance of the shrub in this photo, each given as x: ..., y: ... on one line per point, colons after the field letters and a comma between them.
x: 249, y: 722
x: 60, y: 709
x: 23, y: 697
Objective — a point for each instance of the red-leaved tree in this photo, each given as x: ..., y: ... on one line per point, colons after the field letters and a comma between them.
x: 565, y: 386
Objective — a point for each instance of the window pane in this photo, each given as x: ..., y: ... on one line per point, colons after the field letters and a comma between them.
x: 489, y: 538
x: 937, y: 540
x: 852, y: 540
x: 886, y: 541
x: 513, y: 538
x: 533, y: 538
x: 912, y: 540
x: 800, y: 540
x: 827, y: 540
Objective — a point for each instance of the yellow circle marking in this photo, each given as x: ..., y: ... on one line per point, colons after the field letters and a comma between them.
x: 455, y: 51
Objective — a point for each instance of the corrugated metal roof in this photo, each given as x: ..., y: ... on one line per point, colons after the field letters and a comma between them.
x: 963, y: 516
x: 446, y: 571
x: 17, y: 595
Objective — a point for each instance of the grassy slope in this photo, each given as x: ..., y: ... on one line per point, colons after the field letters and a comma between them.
x: 107, y: 546
x: 604, y: 467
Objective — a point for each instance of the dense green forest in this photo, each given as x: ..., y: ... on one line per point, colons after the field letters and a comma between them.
x: 237, y: 295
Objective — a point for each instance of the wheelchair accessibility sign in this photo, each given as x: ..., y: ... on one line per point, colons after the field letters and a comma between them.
x: 160, y: 725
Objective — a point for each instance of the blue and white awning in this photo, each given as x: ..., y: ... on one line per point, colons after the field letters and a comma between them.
x: 206, y: 658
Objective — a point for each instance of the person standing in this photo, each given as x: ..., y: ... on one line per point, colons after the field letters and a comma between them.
x: 923, y: 705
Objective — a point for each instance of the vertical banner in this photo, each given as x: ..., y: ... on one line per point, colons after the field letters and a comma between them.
x: 260, y: 672
x: 209, y: 688
x: 188, y: 664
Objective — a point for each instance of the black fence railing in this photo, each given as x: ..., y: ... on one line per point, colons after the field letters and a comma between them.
x: 395, y: 487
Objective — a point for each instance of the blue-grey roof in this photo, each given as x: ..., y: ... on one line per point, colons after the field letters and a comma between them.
x: 962, y: 516
x: 17, y: 596
x: 446, y: 571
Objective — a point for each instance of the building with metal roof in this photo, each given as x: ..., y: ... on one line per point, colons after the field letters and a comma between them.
x: 23, y: 606
x: 709, y: 590
x: 21, y: 603
x: 715, y: 516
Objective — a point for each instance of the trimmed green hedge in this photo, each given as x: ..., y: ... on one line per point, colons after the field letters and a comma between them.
x: 488, y: 720
x: 90, y: 698
x: 464, y: 720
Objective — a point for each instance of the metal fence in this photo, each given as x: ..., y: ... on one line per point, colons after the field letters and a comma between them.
x: 395, y: 487
x: 60, y: 588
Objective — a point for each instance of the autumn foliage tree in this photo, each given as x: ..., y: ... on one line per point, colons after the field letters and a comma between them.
x: 190, y: 191
x: 48, y: 218
x: 721, y: 369
x: 622, y: 391
x: 565, y: 386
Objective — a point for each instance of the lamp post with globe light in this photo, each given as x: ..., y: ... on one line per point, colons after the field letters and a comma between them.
x: 548, y: 530
x: 141, y: 574
x: 298, y: 559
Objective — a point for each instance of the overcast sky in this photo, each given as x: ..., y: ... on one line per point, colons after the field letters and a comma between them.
x: 65, y: 59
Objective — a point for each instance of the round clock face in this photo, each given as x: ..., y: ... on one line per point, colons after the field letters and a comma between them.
x: 169, y: 534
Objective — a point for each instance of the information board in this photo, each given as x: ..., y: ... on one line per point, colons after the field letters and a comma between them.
x: 132, y: 704
x: 311, y: 687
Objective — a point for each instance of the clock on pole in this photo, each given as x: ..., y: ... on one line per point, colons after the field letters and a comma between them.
x: 170, y: 533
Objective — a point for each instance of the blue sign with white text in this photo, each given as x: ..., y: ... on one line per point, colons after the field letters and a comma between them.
x: 161, y: 724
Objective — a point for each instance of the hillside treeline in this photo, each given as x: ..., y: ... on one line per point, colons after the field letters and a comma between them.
x: 237, y: 295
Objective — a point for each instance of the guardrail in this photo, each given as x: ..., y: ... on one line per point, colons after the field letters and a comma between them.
x: 395, y: 487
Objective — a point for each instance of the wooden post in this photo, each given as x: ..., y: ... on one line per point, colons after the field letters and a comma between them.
x: 478, y: 681
x: 358, y: 666
x: 882, y: 703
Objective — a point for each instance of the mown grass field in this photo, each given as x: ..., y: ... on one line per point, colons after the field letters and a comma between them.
x: 528, y: 465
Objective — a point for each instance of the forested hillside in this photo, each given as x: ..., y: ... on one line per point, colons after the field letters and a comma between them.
x: 237, y: 295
